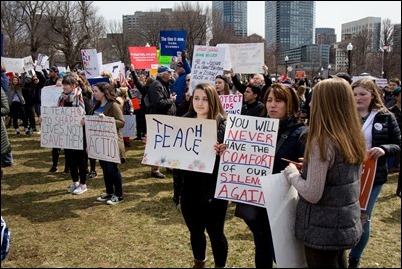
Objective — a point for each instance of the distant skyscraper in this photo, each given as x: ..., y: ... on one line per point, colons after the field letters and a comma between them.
x: 289, y: 24
x: 234, y: 14
x: 325, y: 36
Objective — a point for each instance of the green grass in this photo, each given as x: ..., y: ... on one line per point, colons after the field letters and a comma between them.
x: 52, y: 228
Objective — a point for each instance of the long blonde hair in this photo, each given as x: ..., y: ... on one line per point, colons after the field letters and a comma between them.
x: 334, y: 119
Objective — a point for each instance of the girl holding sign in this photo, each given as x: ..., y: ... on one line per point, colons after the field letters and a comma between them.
x: 280, y: 102
x: 328, y: 210
x: 201, y: 211
x: 383, y: 140
x: 107, y: 105
x: 75, y: 158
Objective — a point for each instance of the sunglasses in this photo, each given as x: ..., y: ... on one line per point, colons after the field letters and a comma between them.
x: 187, y: 80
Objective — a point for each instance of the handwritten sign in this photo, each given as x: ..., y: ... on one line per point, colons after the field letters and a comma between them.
x: 281, y: 202
x: 129, y: 126
x: 249, y: 155
x: 113, y: 68
x: 50, y: 95
x: 61, y: 128
x: 183, y: 143
x: 14, y: 65
x: 102, y: 139
x: 206, y: 65
x: 367, y: 181
x: 246, y: 58
x: 232, y: 103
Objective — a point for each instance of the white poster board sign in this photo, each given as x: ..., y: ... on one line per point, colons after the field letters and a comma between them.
x: 183, y: 143
x: 61, y: 128
x: 50, y: 95
x: 281, y: 201
x: 232, y: 103
x: 90, y: 62
x: 249, y: 155
x: 14, y: 65
x: 247, y: 58
x: 102, y: 139
x: 113, y: 68
x: 129, y: 126
x: 206, y: 65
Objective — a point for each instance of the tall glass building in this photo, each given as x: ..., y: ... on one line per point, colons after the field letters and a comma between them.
x: 289, y: 24
x: 234, y: 14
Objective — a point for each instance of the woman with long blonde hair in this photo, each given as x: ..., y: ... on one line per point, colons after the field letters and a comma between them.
x: 328, y: 211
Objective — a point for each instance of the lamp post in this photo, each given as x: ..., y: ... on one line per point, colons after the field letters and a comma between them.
x: 286, y: 64
x: 349, y: 48
x: 329, y: 70
x: 322, y: 71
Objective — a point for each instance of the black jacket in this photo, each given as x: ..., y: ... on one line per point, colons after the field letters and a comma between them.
x: 386, y: 135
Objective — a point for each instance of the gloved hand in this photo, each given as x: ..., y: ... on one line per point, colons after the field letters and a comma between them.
x: 291, y: 171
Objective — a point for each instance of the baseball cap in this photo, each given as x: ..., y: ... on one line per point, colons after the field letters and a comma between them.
x: 54, y: 69
x: 163, y: 69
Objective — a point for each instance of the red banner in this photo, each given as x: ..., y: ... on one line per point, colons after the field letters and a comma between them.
x: 143, y: 57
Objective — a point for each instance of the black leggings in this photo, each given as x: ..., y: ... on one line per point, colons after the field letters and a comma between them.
x: 325, y: 258
x: 201, y: 215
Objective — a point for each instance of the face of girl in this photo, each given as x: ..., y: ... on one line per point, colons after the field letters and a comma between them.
x: 363, y: 98
x: 200, y: 103
x: 219, y: 85
x: 16, y: 81
x: 98, y: 95
x: 276, y: 108
x: 67, y: 88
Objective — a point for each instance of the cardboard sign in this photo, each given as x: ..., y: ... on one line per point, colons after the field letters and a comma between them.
x: 367, y: 181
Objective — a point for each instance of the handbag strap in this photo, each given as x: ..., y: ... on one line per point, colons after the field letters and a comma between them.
x: 282, y: 139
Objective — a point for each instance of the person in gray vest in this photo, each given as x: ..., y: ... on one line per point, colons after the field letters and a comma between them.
x: 328, y: 211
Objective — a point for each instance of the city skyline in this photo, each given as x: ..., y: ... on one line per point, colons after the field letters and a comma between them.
x: 331, y: 14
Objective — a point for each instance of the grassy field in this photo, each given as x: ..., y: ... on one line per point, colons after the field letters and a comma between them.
x: 52, y: 228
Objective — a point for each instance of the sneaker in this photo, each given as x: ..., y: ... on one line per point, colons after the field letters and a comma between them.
x: 53, y: 169
x: 17, y: 132
x: 80, y: 189
x: 114, y: 200
x: 104, y: 198
x: 92, y: 174
x: 73, y: 186
x: 66, y: 171
x: 157, y: 174
x: 28, y: 133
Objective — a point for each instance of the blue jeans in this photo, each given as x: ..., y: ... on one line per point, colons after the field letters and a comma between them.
x: 112, y: 178
x: 357, y: 251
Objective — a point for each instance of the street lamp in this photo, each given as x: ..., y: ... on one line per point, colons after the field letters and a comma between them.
x: 349, y: 48
x: 286, y: 64
x: 329, y: 70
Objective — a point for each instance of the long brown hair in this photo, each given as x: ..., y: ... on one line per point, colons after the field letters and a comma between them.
x: 109, y: 92
x: 334, y: 119
x: 215, y: 105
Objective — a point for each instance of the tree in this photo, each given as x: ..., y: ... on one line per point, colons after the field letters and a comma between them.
x: 15, y: 34
x: 74, y: 24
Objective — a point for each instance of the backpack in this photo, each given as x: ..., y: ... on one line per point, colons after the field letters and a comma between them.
x: 5, y: 239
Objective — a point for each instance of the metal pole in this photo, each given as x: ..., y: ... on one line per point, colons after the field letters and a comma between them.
x: 349, y: 63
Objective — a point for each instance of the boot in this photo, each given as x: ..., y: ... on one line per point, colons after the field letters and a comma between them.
x: 353, y: 262
x: 199, y: 264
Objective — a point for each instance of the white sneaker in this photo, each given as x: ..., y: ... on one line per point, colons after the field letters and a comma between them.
x: 73, y: 187
x: 80, y: 189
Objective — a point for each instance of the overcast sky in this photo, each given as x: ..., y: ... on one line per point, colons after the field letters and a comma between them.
x: 329, y: 14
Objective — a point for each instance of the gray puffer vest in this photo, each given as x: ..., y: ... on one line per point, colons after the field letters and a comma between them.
x: 333, y: 223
